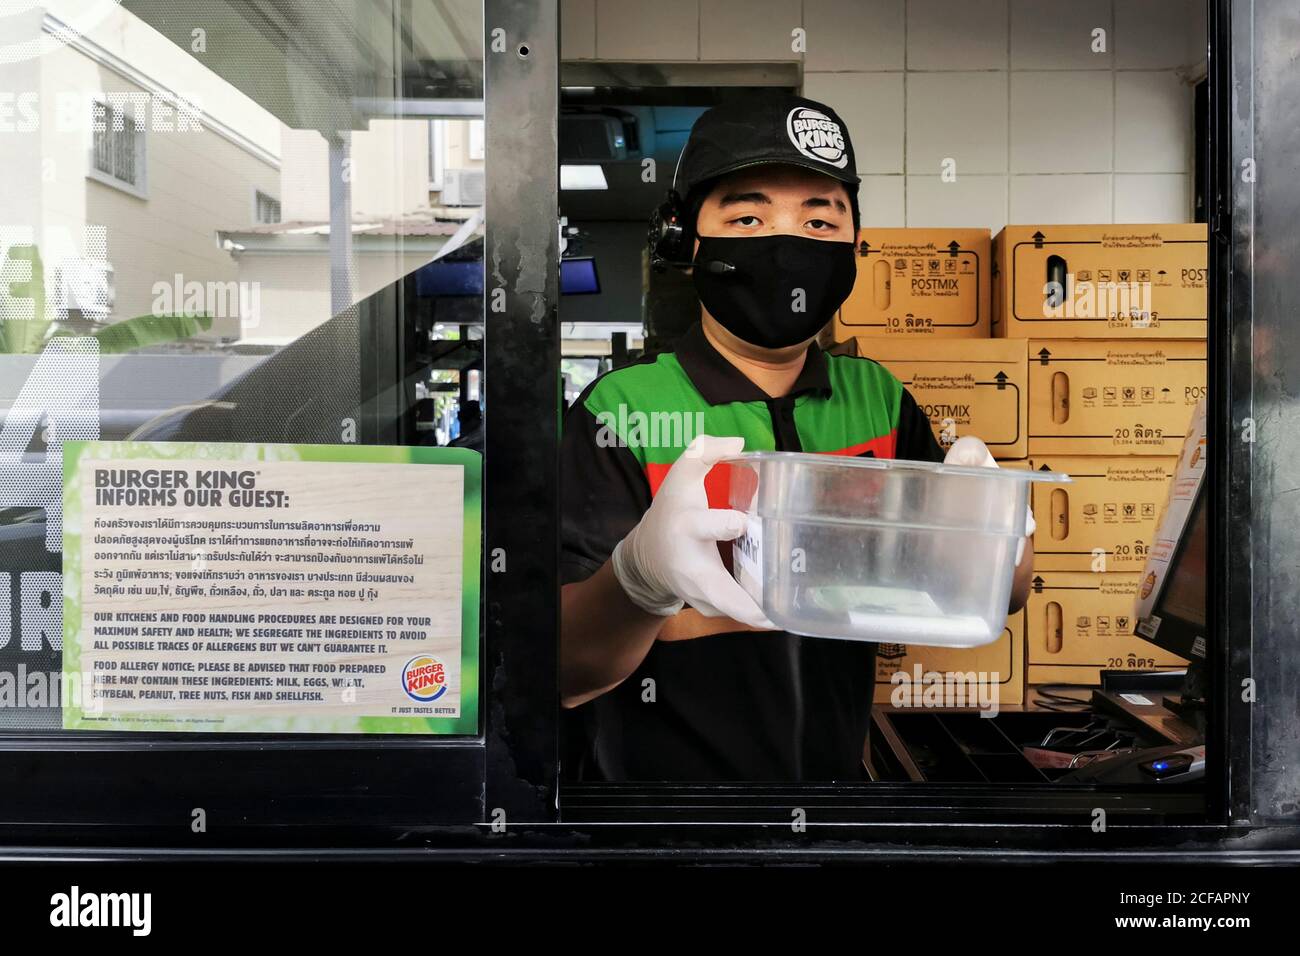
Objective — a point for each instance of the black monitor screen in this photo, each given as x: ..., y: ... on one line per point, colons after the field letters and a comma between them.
x: 450, y: 278
x: 578, y: 277
x: 1184, y: 593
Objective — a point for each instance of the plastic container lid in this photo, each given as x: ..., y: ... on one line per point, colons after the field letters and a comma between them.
x: 880, y: 549
x: 901, y: 464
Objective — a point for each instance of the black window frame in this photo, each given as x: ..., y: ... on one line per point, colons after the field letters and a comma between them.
x: 1243, y: 791
x: 140, y: 791
x: 448, y: 794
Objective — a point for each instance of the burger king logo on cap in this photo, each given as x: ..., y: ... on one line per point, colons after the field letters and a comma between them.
x: 424, y: 678
x: 817, y: 136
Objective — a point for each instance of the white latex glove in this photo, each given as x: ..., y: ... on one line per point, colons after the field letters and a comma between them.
x: 969, y: 450
x: 671, y: 556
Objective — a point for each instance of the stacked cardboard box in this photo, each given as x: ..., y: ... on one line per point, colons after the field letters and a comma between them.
x: 919, y: 283
x: 1139, y: 282
x: 1065, y: 348
x: 911, y: 676
x: 964, y: 386
x: 1116, y: 318
x: 1079, y: 623
x: 921, y: 307
x: 1103, y: 520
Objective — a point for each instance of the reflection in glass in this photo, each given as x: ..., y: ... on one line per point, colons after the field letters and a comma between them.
x: 235, y: 212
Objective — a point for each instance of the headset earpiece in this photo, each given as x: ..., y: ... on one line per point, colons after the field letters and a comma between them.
x: 669, y: 239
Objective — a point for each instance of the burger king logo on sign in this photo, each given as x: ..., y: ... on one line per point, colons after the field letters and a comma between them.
x: 817, y: 136
x: 424, y: 678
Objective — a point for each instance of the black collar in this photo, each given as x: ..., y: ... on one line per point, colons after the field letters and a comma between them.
x: 721, y: 382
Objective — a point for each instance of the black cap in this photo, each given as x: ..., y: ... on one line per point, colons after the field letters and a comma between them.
x: 766, y: 128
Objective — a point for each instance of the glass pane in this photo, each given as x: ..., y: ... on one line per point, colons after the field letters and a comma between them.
x: 222, y: 227
x: 961, y: 181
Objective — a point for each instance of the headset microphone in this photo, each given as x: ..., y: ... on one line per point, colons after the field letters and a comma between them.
x: 669, y: 239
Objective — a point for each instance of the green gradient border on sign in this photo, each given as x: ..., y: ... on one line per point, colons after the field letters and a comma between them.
x: 467, y: 724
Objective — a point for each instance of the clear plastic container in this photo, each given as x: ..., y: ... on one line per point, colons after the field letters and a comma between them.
x: 872, y: 549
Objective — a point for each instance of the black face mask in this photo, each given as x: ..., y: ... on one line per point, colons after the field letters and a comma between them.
x: 773, y: 291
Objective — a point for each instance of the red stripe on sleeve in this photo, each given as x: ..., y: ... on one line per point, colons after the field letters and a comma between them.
x: 717, y: 483
x: 882, y: 447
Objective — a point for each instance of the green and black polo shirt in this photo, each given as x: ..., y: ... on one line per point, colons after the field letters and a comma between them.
x: 748, y: 705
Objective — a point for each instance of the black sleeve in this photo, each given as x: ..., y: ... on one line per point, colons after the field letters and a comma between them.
x: 603, y: 494
x: 915, y: 439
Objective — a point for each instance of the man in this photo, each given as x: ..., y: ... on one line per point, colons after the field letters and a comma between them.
x: 673, y: 670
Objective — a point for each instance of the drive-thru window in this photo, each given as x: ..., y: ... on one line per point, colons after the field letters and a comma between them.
x: 334, y: 358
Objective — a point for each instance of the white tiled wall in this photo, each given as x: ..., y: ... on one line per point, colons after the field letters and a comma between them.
x: 578, y: 29
x: 968, y: 201
x: 1084, y: 197
x: 1059, y: 34
x: 956, y: 121
x: 854, y: 36
x: 1143, y: 197
x: 659, y: 30
x: 1152, y: 134
x: 867, y: 101
x: 1046, y: 110
x: 746, y: 29
x: 1063, y: 121
x: 957, y: 36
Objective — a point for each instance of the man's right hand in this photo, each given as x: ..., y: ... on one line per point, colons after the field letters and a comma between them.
x: 671, y: 556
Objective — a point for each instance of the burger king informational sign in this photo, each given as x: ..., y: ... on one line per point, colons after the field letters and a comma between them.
x: 271, y: 588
